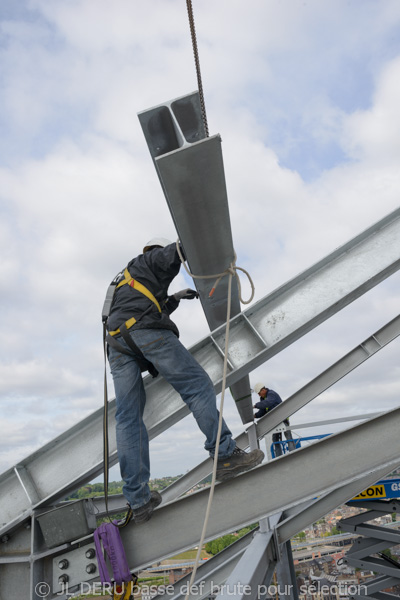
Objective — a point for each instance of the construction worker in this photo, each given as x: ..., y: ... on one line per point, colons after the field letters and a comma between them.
x: 268, y: 400
x: 141, y: 336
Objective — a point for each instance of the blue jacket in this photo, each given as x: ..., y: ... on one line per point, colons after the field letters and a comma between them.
x: 266, y: 404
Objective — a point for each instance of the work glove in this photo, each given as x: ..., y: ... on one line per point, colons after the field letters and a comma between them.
x: 186, y: 294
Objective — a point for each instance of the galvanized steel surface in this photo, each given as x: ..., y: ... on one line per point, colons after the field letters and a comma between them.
x: 191, y: 171
x: 300, y: 305
x: 251, y: 496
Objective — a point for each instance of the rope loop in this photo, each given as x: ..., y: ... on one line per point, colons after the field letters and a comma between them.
x: 231, y: 270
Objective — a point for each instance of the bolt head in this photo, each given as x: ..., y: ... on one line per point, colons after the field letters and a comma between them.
x: 91, y: 568
x: 90, y: 553
x: 63, y: 564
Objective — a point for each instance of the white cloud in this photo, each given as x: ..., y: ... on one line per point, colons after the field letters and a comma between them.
x: 371, y: 135
x: 306, y: 103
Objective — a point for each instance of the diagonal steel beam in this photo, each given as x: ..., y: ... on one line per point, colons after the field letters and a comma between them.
x: 301, y: 398
x: 256, y: 566
x: 254, y: 569
x: 327, y: 378
x: 256, y: 335
x: 311, y: 512
x: 212, y: 573
x: 292, y: 485
x: 266, y: 499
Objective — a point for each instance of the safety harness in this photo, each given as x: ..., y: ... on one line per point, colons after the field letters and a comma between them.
x: 143, y: 363
x: 136, y: 285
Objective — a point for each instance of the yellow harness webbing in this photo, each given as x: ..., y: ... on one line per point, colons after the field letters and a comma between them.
x: 140, y: 288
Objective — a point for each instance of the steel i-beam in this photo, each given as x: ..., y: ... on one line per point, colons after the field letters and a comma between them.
x: 191, y: 172
x: 257, y: 334
x: 146, y: 544
x: 363, y: 553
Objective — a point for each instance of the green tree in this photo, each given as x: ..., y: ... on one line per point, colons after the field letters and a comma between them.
x: 220, y: 543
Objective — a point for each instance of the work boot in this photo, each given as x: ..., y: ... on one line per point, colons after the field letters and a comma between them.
x: 143, y: 513
x: 239, y: 462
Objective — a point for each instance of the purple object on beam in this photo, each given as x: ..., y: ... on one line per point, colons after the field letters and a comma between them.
x: 108, y: 535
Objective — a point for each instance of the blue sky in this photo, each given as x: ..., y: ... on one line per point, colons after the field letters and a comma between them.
x: 305, y: 96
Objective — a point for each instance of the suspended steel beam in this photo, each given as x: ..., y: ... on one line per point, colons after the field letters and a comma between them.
x: 191, y: 171
x: 256, y: 335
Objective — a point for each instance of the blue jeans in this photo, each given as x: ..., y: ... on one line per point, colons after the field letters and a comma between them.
x: 175, y: 363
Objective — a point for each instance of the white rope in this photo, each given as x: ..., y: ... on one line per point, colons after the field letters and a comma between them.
x: 231, y: 271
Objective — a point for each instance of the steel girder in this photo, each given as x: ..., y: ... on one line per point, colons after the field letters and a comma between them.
x: 292, y: 485
x: 256, y: 335
x: 255, y: 569
x: 299, y: 517
x: 375, y: 540
x: 292, y: 524
x: 301, y: 398
x: 191, y: 171
x: 211, y: 574
x: 253, y: 573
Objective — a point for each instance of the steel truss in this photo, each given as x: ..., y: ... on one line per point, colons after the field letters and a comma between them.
x: 27, y: 491
x: 373, y: 541
x: 256, y: 335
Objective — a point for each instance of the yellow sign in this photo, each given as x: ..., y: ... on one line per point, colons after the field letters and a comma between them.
x: 375, y: 491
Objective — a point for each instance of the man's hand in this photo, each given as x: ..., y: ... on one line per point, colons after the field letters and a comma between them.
x: 187, y: 294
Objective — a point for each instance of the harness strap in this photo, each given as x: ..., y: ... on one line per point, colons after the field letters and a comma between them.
x: 136, y: 285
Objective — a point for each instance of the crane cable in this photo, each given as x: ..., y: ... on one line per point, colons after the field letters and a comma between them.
x: 231, y: 271
x: 197, y: 63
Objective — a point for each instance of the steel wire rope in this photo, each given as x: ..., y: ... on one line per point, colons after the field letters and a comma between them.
x: 230, y: 271
x: 197, y: 63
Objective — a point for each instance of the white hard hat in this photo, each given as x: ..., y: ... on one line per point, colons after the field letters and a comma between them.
x: 258, y: 387
x: 158, y: 241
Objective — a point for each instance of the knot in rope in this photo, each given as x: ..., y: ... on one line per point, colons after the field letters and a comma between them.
x: 231, y: 271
